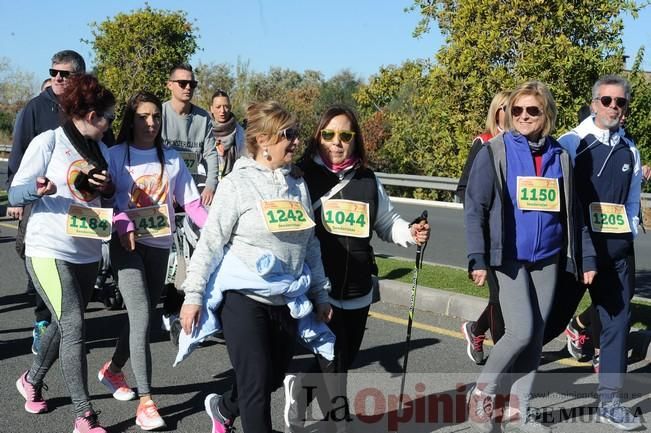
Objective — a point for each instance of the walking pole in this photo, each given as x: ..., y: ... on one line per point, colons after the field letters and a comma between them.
x: 420, y: 249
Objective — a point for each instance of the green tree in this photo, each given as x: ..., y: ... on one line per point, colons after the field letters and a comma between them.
x: 16, y: 86
x: 638, y: 122
x: 16, y: 89
x: 434, y: 110
x: 495, y: 45
x: 338, y: 90
x: 135, y: 51
x: 212, y: 77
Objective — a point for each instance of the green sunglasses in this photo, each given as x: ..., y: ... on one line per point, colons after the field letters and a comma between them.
x: 344, y: 136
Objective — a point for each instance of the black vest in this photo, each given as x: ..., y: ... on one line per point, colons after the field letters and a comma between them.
x: 348, y: 261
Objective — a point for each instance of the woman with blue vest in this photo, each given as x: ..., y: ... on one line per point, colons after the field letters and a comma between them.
x: 523, y: 221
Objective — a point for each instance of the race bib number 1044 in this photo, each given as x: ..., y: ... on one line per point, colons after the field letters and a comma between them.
x: 346, y: 218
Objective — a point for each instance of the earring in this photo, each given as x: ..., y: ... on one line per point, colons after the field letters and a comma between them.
x: 265, y: 154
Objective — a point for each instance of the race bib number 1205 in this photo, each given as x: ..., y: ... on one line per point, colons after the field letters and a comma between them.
x: 608, y: 218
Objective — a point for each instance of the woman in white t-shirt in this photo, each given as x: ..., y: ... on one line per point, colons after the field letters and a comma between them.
x: 64, y: 173
x: 149, y: 179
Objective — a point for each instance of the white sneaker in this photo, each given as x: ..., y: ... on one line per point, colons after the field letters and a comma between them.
x: 288, y: 383
x: 167, y: 321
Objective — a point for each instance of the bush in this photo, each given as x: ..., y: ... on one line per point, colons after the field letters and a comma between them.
x: 7, y: 119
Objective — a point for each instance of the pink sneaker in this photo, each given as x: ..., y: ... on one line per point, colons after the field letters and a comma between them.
x: 116, y: 383
x: 34, y: 402
x: 147, y: 416
x: 219, y: 423
x: 88, y: 424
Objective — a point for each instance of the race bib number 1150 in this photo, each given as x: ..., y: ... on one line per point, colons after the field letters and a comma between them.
x: 538, y: 193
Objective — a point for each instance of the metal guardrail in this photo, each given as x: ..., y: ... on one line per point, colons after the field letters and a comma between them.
x: 415, y: 181
x: 406, y: 180
x: 440, y: 183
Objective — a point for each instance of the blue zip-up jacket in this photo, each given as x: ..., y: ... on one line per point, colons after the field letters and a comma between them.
x: 610, y: 171
x: 530, y: 236
x: 484, y: 212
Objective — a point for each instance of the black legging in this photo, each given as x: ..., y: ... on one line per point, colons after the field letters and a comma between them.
x: 330, y: 379
x: 260, y: 343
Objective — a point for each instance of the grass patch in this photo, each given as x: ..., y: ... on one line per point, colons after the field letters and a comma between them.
x: 3, y: 195
x: 456, y: 280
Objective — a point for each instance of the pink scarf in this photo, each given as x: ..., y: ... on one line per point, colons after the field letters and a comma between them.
x: 336, y: 168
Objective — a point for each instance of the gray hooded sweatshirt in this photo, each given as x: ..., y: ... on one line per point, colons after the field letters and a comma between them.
x: 236, y: 222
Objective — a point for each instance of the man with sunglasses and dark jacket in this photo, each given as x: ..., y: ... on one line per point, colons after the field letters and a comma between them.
x: 608, y: 178
x: 41, y: 114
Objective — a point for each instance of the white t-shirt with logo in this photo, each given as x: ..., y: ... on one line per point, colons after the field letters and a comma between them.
x: 138, y: 183
x: 51, y: 154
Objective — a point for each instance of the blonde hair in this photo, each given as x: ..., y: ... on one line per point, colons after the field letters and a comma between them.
x: 544, y: 96
x: 266, y: 118
x: 499, y: 101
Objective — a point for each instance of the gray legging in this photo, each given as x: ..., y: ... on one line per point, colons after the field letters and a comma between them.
x: 141, y: 275
x: 66, y: 289
x: 526, y: 295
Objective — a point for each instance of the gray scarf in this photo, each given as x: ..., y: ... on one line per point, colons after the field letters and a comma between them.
x: 225, y: 132
x: 225, y: 135
x: 537, y: 146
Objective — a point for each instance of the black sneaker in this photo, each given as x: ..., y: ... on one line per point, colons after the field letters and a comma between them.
x: 175, y: 331
x: 475, y: 343
x: 576, y: 339
x: 595, y: 363
x: 612, y: 412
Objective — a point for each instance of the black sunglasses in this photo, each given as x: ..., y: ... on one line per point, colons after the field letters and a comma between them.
x: 109, y: 117
x: 607, y: 100
x: 64, y: 74
x: 184, y: 83
x: 290, y: 134
x: 533, y: 111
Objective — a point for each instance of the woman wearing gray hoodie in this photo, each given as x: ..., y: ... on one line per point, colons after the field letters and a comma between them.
x: 260, y: 206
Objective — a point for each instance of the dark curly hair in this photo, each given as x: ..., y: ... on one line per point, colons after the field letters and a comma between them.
x: 84, y: 94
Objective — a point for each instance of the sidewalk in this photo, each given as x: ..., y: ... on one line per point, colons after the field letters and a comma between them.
x: 467, y: 307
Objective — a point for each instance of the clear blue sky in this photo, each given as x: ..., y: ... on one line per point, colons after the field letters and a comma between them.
x: 360, y: 35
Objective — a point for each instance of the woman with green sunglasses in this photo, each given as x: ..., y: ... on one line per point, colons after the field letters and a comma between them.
x: 349, y: 204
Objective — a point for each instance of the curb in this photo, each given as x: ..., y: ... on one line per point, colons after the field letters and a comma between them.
x: 468, y: 307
